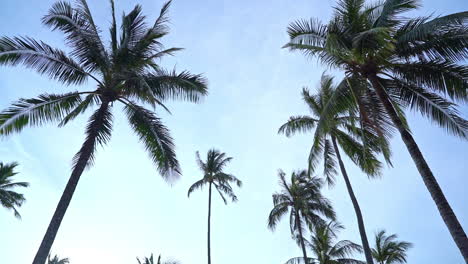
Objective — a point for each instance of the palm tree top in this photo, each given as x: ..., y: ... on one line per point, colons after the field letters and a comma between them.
x: 125, y: 71
x: 57, y: 260
x: 8, y: 197
x: 359, y: 142
x: 213, y: 173
x: 302, y: 197
x: 326, y: 249
x: 388, y: 249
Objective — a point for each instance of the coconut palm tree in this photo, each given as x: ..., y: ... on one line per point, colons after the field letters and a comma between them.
x: 339, y: 131
x: 417, y: 63
x: 127, y: 72
x: 150, y: 260
x: 304, y: 201
x: 388, y: 250
x: 8, y: 197
x: 57, y: 260
x: 326, y: 250
x: 213, y: 175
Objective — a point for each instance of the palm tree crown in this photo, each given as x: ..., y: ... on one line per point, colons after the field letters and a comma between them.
x: 326, y: 250
x: 213, y: 174
x: 150, y: 260
x: 388, y: 250
x: 303, y: 199
x: 126, y: 72
x: 57, y: 260
x: 8, y: 197
x: 360, y: 144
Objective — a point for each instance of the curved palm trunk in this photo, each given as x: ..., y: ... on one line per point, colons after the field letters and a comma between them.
x: 449, y: 217
x: 357, y: 209
x: 301, y: 237
x: 86, y: 151
x: 209, y: 229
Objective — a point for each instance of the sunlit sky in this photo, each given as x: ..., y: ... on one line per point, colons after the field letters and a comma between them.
x: 123, y: 209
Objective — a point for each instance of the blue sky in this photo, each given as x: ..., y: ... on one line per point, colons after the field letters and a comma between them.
x: 123, y: 209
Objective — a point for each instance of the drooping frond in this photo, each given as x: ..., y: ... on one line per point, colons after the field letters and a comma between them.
x: 98, y: 132
x: 197, y: 185
x: 37, y: 111
x: 430, y: 105
x: 297, y: 124
x: 179, y: 86
x: 156, y: 139
x: 42, y: 58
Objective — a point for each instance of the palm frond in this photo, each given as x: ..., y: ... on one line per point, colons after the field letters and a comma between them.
x: 37, y: 111
x: 98, y: 132
x: 156, y: 138
x: 42, y: 58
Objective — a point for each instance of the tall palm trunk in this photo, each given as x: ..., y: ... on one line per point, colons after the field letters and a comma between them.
x: 86, y: 151
x: 357, y: 209
x: 301, y: 237
x: 449, y: 217
x: 209, y: 229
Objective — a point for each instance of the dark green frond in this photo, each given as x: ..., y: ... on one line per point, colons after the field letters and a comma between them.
x: 42, y: 58
x: 178, y: 86
x: 436, y: 108
x: 37, y: 111
x: 297, y: 124
x: 98, y: 132
x: 156, y: 138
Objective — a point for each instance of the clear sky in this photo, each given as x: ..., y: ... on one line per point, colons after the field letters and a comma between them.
x: 122, y: 208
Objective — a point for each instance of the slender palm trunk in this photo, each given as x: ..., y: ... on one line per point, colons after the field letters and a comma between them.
x: 209, y: 228
x: 449, y: 217
x: 357, y: 209
x: 301, y: 237
x: 86, y: 151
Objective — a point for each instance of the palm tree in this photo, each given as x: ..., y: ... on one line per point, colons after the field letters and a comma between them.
x: 388, y: 250
x: 127, y: 72
x: 399, y: 62
x: 9, y: 198
x: 339, y: 130
x: 57, y: 260
x: 150, y: 260
x: 213, y: 175
x: 306, y: 204
x: 326, y: 250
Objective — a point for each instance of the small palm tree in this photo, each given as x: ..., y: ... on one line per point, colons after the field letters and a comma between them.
x: 150, y: 260
x: 417, y: 63
x: 127, y: 72
x: 8, y: 197
x: 213, y: 175
x: 326, y: 250
x: 57, y: 260
x: 338, y: 131
x: 388, y: 250
x: 303, y: 199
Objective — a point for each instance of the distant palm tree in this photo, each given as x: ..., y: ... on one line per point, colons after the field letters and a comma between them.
x: 213, y: 175
x: 339, y: 130
x: 9, y: 198
x: 388, y: 250
x: 150, y: 260
x: 303, y: 199
x: 127, y: 72
x: 400, y: 62
x: 326, y: 250
x: 57, y: 260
